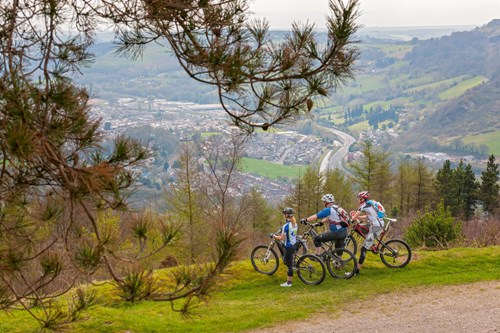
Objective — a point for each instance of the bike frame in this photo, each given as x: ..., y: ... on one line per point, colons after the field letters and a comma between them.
x: 359, y: 229
x: 326, y: 246
x: 281, y: 248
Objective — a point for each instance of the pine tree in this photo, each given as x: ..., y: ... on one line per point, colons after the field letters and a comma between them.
x: 404, y: 185
x: 445, y: 185
x: 469, y: 192
x: 366, y: 166
x: 422, y: 185
x: 373, y: 173
x: 260, y: 81
x: 58, y: 184
x: 183, y: 201
x: 312, y: 190
x: 340, y: 186
x: 489, y: 189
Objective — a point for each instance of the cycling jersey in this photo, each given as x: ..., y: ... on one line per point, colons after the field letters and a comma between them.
x: 333, y: 218
x: 371, y: 214
x: 290, y: 233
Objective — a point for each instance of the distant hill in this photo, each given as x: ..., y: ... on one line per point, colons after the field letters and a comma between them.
x: 408, y: 33
x: 472, y: 53
x: 430, y: 90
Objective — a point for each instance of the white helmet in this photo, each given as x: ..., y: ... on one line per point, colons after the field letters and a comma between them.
x: 328, y: 198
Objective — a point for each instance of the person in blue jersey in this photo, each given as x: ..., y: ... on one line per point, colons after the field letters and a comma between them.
x: 367, y: 212
x: 335, y: 217
x: 289, y: 238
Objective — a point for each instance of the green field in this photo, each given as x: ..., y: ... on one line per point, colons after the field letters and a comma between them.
x: 386, y: 104
x: 358, y: 128
x: 462, y: 87
x: 435, y: 85
x: 245, y: 299
x: 491, y: 139
x: 269, y: 169
x: 397, y: 51
x: 363, y: 83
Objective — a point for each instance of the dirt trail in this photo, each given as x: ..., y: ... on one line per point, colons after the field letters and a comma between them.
x: 450, y: 309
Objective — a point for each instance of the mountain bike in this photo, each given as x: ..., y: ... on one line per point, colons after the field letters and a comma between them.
x: 395, y: 253
x: 341, y: 263
x: 309, y: 267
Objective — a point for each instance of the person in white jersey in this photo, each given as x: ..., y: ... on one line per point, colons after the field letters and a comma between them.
x: 289, y: 238
x: 367, y: 212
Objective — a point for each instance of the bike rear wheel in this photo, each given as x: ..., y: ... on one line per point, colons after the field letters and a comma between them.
x: 341, y: 263
x: 395, y: 253
x: 264, y: 260
x: 310, y: 269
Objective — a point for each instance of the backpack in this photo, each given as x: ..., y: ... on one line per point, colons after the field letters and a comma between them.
x: 344, y: 217
x: 378, y: 208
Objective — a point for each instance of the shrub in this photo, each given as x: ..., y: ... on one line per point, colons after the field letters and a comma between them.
x: 482, y: 231
x: 435, y: 228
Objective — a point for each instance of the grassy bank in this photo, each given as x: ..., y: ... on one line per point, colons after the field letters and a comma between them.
x: 247, y: 300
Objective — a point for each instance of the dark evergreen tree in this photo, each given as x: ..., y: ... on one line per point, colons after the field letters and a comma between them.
x: 469, y: 192
x: 489, y: 188
x: 445, y: 185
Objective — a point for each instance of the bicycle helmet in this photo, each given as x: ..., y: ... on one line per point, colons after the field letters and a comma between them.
x: 328, y: 198
x: 364, y: 194
x: 289, y: 211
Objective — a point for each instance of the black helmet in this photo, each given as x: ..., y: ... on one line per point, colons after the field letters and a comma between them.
x: 288, y: 211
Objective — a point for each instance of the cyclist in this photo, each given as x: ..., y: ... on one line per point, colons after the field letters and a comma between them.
x: 367, y: 212
x: 289, y: 237
x: 335, y: 216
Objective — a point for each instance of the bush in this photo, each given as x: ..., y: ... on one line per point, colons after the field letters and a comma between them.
x: 434, y: 228
x: 482, y: 231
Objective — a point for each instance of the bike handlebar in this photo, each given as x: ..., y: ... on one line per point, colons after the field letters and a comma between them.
x: 313, y: 225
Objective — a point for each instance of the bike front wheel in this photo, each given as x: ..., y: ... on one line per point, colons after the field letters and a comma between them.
x: 310, y: 269
x: 351, y: 244
x: 395, y: 253
x: 264, y: 260
x: 341, y: 263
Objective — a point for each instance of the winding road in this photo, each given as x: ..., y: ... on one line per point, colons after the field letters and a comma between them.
x: 334, y: 160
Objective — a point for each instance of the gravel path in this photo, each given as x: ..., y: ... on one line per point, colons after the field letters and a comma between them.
x: 450, y: 309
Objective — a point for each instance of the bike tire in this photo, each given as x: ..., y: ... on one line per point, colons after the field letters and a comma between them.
x: 351, y: 244
x: 264, y: 260
x: 341, y: 263
x: 311, y: 269
x: 395, y: 253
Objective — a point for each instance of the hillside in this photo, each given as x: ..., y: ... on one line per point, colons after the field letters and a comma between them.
x: 475, y: 111
x: 245, y: 299
x: 442, y: 88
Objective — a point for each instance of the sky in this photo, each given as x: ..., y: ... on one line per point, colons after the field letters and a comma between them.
x: 383, y: 13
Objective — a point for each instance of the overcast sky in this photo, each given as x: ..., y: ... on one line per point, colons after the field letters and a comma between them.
x: 383, y: 13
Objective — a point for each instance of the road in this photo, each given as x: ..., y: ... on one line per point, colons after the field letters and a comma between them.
x: 332, y: 161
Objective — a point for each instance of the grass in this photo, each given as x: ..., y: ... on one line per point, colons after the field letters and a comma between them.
x: 462, y: 87
x: 386, y: 104
x: 491, y: 139
x: 248, y: 300
x: 363, y: 83
x: 359, y: 127
x: 435, y: 85
x: 269, y: 169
